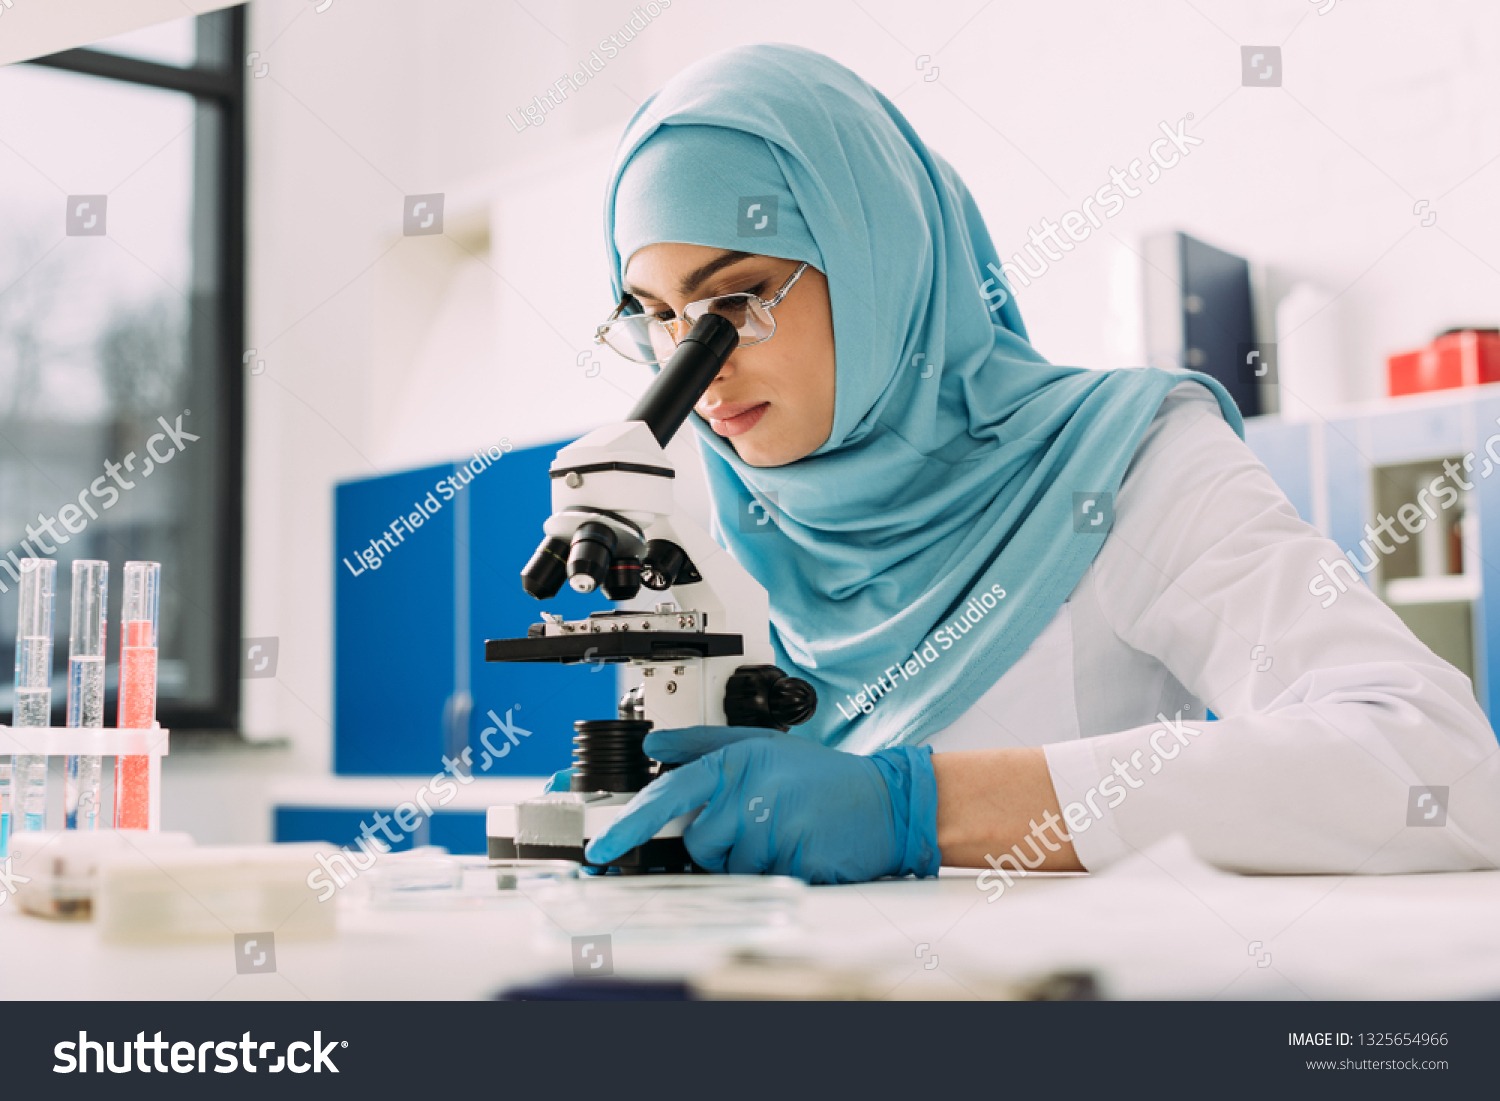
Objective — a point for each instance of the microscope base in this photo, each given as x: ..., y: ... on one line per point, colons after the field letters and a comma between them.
x: 560, y: 825
x: 660, y: 855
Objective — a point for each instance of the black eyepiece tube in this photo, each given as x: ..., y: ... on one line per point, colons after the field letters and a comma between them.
x: 681, y: 382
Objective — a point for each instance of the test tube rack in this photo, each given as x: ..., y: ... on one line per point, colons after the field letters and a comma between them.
x: 65, y: 741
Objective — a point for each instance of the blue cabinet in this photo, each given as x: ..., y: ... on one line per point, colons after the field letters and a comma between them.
x: 428, y: 564
x: 1348, y: 471
x: 459, y: 831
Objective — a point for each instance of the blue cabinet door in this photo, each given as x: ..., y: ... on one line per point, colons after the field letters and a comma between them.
x: 428, y: 566
x: 505, y: 519
x: 393, y: 622
x: 460, y: 832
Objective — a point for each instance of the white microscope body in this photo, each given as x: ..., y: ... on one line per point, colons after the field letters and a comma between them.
x: 675, y: 692
x: 703, y: 654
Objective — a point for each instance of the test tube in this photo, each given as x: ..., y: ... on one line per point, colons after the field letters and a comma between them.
x: 4, y: 809
x: 33, y: 706
x: 139, y: 610
x: 86, y: 688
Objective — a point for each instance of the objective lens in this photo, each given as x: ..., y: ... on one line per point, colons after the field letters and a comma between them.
x: 624, y: 579
x: 662, y: 563
x: 588, y: 560
x: 543, y: 576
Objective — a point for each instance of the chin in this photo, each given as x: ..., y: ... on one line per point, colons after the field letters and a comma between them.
x: 754, y: 456
x: 754, y: 452
x: 760, y: 454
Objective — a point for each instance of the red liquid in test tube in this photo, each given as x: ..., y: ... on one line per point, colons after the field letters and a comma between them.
x: 138, y: 638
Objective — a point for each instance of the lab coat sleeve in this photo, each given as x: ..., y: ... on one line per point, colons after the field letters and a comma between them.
x: 1329, y: 717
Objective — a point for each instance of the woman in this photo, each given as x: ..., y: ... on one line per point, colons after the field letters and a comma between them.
x: 1016, y: 587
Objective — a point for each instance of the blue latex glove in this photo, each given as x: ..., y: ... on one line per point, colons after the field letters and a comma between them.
x: 780, y: 803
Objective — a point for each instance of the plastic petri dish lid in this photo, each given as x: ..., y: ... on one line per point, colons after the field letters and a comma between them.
x: 461, y: 882
x: 678, y: 903
x: 520, y: 875
x: 411, y: 873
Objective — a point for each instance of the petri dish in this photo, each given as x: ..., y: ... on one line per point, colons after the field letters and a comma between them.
x: 461, y: 882
x: 675, y: 904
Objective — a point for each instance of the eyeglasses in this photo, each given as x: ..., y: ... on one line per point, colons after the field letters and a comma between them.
x: 646, y: 338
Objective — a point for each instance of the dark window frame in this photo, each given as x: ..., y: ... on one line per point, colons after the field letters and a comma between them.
x: 224, y: 87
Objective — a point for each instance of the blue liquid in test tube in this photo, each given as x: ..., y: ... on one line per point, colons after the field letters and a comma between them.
x: 4, y: 810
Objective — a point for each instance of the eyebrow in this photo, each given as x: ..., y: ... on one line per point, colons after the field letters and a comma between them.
x: 694, y: 279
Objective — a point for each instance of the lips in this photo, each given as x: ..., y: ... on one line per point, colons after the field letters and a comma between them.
x: 734, y: 418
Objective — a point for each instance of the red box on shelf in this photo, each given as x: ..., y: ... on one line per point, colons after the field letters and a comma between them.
x: 1460, y: 357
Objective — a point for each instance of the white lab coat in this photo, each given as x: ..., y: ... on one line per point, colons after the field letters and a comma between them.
x: 1327, y: 717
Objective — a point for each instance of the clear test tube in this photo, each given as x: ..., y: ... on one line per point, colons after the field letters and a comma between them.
x: 86, y: 688
x: 139, y: 612
x: 33, y: 689
x: 5, y: 808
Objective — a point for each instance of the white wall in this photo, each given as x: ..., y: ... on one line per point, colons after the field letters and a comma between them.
x: 383, y: 351
x: 34, y: 29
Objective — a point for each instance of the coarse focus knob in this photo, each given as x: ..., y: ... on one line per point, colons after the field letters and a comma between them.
x: 764, y: 696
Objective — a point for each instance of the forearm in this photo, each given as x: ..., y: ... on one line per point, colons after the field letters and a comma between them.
x: 1323, y: 785
x: 990, y: 800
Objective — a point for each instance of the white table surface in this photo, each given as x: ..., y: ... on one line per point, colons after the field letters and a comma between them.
x: 1160, y: 925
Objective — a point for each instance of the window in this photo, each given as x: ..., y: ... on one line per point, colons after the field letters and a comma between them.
x: 121, y: 318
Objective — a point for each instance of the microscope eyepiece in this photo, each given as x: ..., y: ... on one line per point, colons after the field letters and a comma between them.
x: 590, y: 555
x: 587, y: 562
x: 683, y: 378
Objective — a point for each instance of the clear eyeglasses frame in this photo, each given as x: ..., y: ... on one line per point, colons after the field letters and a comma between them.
x: 645, y: 338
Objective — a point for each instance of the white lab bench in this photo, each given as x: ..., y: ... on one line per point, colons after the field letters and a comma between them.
x: 1160, y: 925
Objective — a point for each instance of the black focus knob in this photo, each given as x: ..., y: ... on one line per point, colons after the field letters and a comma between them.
x: 793, y: 701
x: 764, y: 696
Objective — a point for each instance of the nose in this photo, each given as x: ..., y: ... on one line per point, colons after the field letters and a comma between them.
x: 726, y: 372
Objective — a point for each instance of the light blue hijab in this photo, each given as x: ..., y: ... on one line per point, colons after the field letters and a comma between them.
x: 931, y: 494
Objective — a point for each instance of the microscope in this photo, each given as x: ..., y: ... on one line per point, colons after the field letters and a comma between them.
x: 701, y: 657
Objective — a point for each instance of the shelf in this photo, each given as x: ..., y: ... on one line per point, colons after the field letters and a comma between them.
x: 1432, y: 590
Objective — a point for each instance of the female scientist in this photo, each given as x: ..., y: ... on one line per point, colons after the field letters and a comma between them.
x: 1015, y: 586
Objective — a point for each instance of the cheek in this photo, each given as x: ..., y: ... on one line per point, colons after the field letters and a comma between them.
x: 818, y: 363
x: 819, y: 374
x: 805, y: 391
x: 804, y: 377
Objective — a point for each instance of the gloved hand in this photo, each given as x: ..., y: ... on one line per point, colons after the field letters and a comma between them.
x: 562, y: 780
x: 780, y: 803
